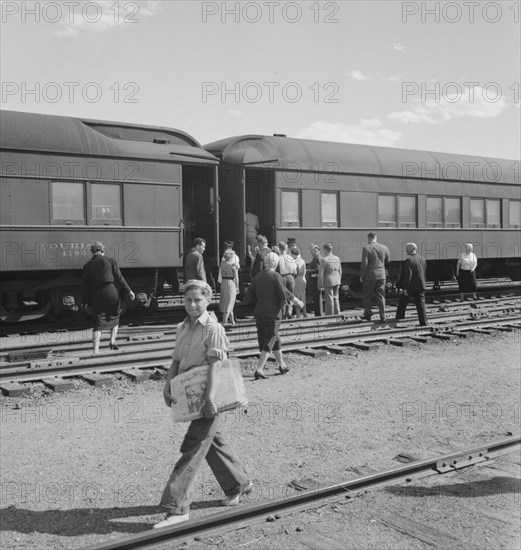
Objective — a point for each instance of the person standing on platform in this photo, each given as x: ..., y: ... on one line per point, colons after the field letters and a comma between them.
x: 101, y: 278
x: 201, y: 340
x: 228, y: 245
x: 375, y: 259
x: 194, y: 263
x: 466, y: 272
x: 312, y: 279
x: 329, y: 277
x: 268, y: 293
x: 412, y: 282
x: 252, y: 227
x: 257, y: 256
x: 228, y: 273
x: 288, y: 269
x: 300, y: 281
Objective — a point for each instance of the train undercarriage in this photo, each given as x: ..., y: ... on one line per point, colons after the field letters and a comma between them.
x: 26, y: 297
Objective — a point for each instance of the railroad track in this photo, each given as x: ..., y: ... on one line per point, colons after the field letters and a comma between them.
x: 139, y: 359
x: 72, y: 342
x: 171, y: 309
x: 245, y: 515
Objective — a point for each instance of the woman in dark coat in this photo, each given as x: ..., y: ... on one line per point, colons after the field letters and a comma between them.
x: 101, y: 281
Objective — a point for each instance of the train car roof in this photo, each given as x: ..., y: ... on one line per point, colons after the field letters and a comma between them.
x: 304, y: 154
x: 32, y: 132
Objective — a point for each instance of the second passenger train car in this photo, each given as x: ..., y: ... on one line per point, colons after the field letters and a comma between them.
x: 316, y: 192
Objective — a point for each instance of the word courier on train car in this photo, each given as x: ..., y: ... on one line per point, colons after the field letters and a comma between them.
x: 188, y: 390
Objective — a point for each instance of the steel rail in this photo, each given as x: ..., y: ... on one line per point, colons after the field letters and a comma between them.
x: 422, y: 468
x: 290, y: 330
x: 159, y: 317
x: 159, y: 335
x: 338, y: 335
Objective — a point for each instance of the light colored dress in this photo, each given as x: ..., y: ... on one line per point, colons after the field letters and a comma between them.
x: 229, y: 286
x: 300, y: 280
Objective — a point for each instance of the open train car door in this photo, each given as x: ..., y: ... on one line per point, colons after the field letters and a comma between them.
x: 260, y: 199
x: 232, y: 204
x: 201, y: 210
x: 247, y: 181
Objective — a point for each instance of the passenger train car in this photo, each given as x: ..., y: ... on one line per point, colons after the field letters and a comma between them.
x: 147, y: 191
x: 316, y: 192
x: 67, y: 182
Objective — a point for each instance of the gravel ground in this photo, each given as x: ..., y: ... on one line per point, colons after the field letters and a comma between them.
x: 89, y: 465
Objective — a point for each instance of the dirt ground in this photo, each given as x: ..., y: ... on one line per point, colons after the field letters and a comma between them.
x: 89, y: 465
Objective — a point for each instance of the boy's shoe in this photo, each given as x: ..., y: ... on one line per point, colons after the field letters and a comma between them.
x: 235, y: 499
x: 171, y: 519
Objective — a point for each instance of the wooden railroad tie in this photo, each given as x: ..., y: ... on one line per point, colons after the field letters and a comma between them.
x: 98, y: 380
x: 12, y: 389
x: 57, y: 383
x: 316, y: 353
x: 137, y: 375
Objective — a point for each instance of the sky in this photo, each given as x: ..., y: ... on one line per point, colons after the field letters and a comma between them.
x: 436, y: 76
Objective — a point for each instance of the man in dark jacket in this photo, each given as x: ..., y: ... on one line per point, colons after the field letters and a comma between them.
x: 268, y: 293
x: 412, y: 281
x: 312, y: 278
x: 194, y: 263
x: 375, y: 258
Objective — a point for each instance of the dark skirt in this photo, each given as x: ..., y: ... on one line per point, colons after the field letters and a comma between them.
x: 107, y: 307
x: 268, y: 333
x: 467, y: 281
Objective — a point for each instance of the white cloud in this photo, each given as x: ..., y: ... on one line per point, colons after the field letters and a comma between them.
x: 399, y: 47
x: 357, y: 75
x: 102, y: 16
x: 234, y: 112
x: 393, y: 78
x: 447, y: 107
x: 67, y: 31
x: 367, y: 132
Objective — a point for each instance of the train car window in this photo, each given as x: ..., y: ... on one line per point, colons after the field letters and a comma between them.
x: 386, y: 211
x: 105, y: 203
x: 493, y: 213
x: 329, y: 209
x: 452, y: 211
x: 434, y: 212
x: 68, y: 202
x: 514, y: 214
x: 477, y: 213
x: 407, y: 211
x: 290, y: 208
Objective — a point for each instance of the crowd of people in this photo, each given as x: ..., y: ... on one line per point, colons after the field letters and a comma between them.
x: 103, y: 283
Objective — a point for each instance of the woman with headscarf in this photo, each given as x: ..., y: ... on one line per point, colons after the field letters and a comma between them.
x: 466, y: 272
x: 101, y: 282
